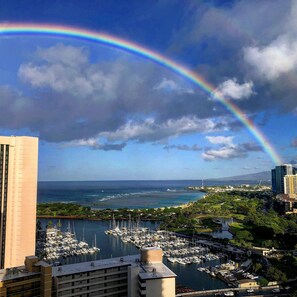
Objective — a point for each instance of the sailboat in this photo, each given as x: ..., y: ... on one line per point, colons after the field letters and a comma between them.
x: 94, y: 249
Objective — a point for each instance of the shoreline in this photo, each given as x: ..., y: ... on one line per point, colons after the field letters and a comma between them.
x: 85, y: 218
x: 73, y: 217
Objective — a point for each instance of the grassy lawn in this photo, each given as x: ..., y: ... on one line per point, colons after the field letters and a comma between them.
x: 203, y: 230
x: 237, y: 226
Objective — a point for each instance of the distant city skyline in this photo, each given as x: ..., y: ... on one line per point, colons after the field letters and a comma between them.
x: 102, y: 113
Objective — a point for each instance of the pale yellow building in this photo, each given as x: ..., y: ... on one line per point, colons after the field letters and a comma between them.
x: 153, y: 277
x: 290, y: 182
x: 18, y: 192
x: 247, y: 283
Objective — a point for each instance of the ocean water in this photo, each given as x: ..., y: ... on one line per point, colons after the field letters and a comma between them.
x: 119, y: 194
x: 122, y: 194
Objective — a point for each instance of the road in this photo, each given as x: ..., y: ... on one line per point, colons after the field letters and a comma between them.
x: 241, y: 293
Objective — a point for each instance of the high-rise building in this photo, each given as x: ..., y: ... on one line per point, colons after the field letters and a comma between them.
x: 277, y: 177
x: 290, y: 182
x: 18, y: 191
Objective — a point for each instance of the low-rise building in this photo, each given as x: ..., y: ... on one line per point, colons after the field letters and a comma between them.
x: 32, y: 279
x: 247, y: 283
x: 286, y: 203
x: 132, y: 276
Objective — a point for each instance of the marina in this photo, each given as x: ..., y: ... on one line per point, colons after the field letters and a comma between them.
x: 193, y: 260
x: 113, y: 246
x: 175, y: 249
x: 53, y: 244
x: 182, y: 251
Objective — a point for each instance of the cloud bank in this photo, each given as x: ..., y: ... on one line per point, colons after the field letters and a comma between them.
x: 227, y: 149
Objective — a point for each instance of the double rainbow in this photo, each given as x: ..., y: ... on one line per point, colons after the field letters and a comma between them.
x: 83, y: 34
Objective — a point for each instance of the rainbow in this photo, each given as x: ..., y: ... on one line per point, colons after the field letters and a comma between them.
x: 83, y: 34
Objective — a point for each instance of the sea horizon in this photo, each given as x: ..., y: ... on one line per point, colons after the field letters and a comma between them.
x: 122, y: 180
x: 210, y: 179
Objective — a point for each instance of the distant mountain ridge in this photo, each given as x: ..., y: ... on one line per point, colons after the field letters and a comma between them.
x: 264, y: 176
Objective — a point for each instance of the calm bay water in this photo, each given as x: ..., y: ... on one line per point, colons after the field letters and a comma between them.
x: 110, y: 246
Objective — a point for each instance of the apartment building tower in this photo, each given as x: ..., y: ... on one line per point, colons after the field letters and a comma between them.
x: 18, y: 191
x: 290, y: 184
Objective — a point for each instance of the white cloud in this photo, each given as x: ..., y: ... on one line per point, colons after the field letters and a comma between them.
x: 278, y: 56
x: 95, y: 144
x: 64, y: 54
x: 227, y: 149
x: 231, y: 89
x: 147, y: 131
x: 221, y: 153
x: 67, y: 69
x: 224, y: 140
x: 150, y: 130
x: 273, y: 60
x: 171, y: 86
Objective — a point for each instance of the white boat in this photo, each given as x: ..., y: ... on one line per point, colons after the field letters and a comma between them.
x: 172, y: 260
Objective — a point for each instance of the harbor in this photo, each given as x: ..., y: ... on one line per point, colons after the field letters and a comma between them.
x: 176, y: 249
x: 212, y: 258
x: 199, y: 264
x: 53, y: 244
x: 112, y: 246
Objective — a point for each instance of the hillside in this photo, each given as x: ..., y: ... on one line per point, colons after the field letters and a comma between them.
x: 259, y: 176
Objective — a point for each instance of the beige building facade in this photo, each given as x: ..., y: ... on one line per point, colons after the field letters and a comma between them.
x: 290, y: 182
x: 18, y: 195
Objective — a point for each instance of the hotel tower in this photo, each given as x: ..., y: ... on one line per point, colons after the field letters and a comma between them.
x: 18, y: 190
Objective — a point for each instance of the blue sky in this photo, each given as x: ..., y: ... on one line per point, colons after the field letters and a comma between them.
x: 104, y: 114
